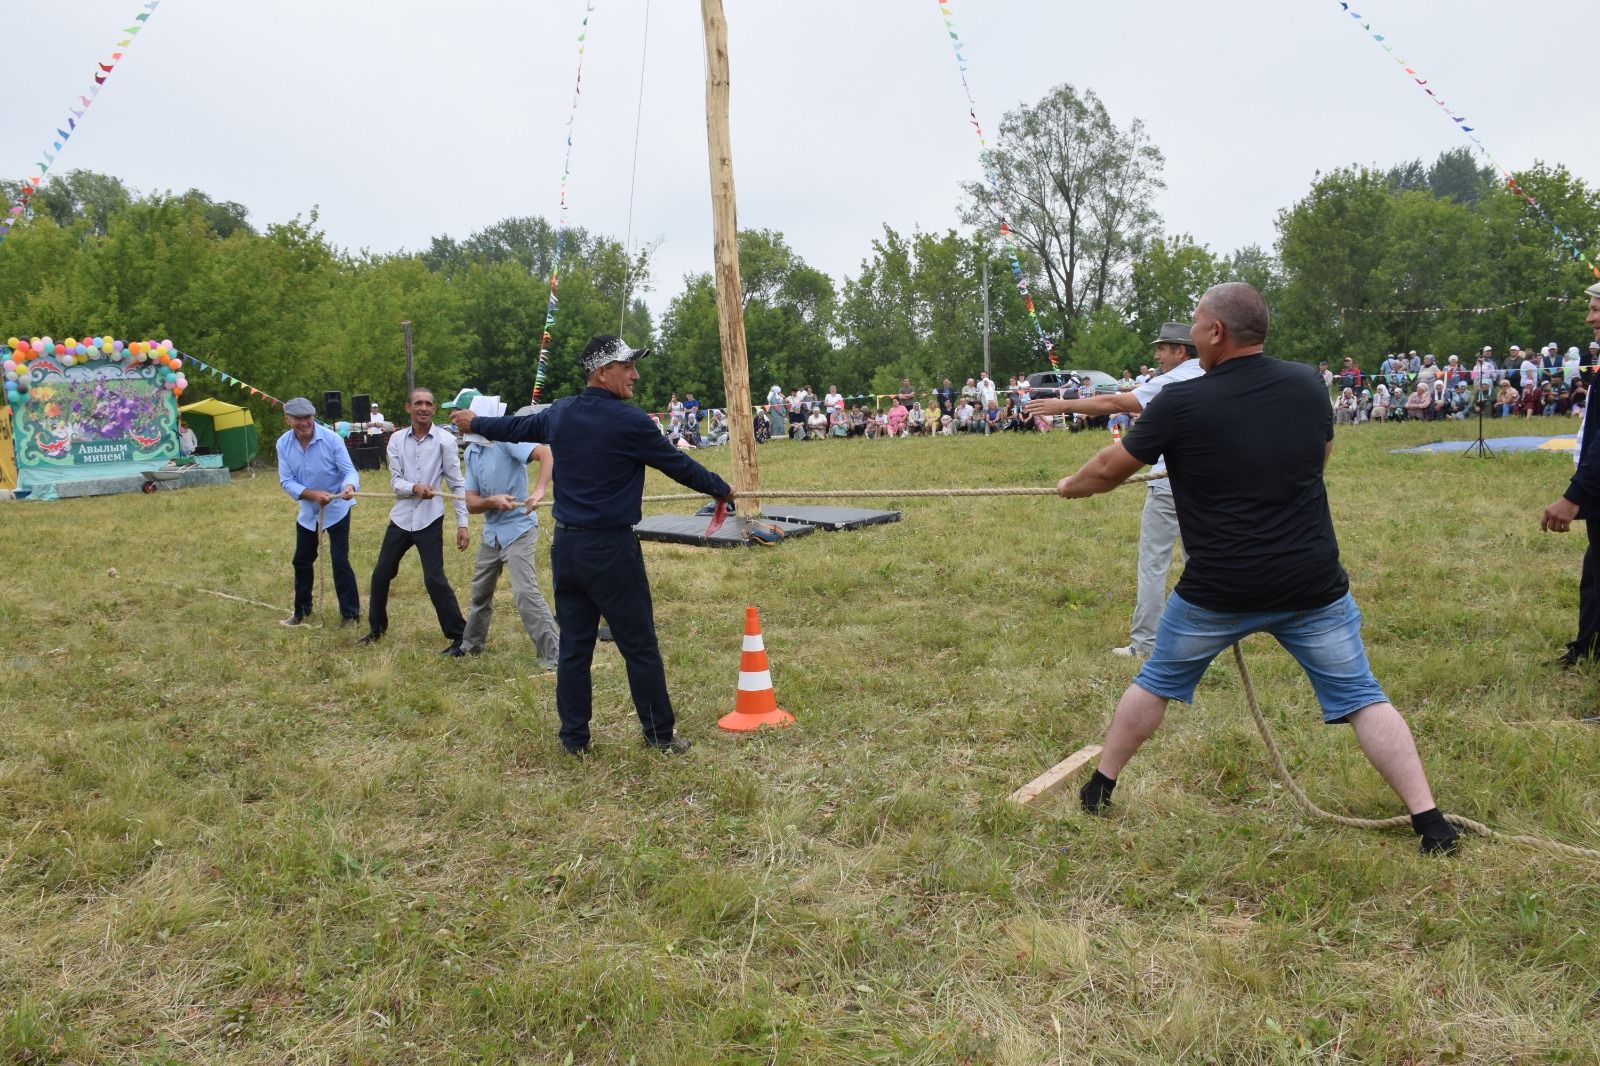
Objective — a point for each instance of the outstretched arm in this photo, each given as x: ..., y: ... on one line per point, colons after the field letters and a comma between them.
x: 1110, y: 467
x: 1115, y: 403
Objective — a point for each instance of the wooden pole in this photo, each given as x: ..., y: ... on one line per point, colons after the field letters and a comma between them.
x: 985, y: 310
x: 725, y: 237
x: 411, y: 376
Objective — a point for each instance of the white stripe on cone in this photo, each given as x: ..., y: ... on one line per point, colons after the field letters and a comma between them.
x: 753, y: 642
x: 755, y: 682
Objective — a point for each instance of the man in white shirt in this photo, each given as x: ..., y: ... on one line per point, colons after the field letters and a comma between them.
x: 1158, y: 525
x: 419, y: 456
x: 833, y: 401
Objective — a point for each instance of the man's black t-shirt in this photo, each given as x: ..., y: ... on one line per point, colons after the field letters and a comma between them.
x: 1245, y: 445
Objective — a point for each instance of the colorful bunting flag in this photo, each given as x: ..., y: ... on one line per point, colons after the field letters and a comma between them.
x: 561, y: 218
x: 228, y: 379
x: 993, y: 176
x: 10, y: 218
x: 1460, y: 122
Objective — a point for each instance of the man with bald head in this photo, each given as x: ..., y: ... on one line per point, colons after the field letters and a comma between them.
x: 1263, y: 557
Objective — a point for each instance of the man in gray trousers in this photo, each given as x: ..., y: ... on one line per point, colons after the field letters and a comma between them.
x: 1158, y: 526
x: 497, y: 488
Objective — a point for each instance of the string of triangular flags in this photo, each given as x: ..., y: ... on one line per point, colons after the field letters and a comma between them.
x: 30, y: 185
x: 993, y: 176
x: 1470, y: 132
x: 561, y: 217
x: 229, y: 379
x: 1456, y: 310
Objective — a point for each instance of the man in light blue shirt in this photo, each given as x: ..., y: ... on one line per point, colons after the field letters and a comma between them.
x: 497, y: 488
x: 314, y: 467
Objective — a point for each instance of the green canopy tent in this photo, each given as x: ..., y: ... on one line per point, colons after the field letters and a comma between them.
x: 227, y: 430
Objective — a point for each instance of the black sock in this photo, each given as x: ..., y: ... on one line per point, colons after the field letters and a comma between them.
x: 1096, y: 795
x: 1437, y: 834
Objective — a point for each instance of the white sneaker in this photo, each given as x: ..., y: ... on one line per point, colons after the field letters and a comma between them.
x: 1128, y: 651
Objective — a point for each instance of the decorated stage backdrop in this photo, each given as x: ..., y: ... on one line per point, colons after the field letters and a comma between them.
x: 91, y: 409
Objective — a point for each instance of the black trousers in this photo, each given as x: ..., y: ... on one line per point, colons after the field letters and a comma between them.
x: 1589, y: 597
x: 344, y: 578
x: 600, y: 572
x: 429, y: 541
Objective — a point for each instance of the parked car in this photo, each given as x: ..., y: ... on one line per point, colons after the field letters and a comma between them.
x: 1047, y: 384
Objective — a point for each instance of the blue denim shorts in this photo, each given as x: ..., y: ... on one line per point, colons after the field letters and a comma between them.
x: 1326, y: 642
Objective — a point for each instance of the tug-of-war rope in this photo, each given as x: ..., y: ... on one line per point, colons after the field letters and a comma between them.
x: 1279, y: 767
x: 837, y: 494
x: 1399, y: 821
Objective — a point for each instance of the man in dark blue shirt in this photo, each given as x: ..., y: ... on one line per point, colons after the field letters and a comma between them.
x: 603, y: 445
x: 1581, y: 500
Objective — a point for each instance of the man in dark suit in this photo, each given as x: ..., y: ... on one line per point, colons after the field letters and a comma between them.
x: 1582, y: 500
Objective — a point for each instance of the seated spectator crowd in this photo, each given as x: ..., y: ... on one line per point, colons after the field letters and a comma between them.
x: 1419, y: 388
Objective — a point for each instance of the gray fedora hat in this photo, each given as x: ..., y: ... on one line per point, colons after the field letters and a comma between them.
x: 1593, y: 290
x: 299, y: 407
x: 1174, y: 333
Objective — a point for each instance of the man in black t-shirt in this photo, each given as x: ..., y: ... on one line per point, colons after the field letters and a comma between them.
x: 1254, y: 517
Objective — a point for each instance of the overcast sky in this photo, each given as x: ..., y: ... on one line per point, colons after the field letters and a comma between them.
x: 408, y: 119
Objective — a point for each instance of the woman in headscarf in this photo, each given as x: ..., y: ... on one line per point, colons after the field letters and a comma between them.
x: 1344, y: 408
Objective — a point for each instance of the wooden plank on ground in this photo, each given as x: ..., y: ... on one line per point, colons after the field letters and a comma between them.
x: 1053, y: 779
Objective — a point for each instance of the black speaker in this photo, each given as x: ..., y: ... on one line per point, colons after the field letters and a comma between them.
x: 332, y: 406
x: 360, y: 407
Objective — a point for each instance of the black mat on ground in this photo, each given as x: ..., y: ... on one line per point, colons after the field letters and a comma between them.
x: 830, y: 518
x: 691, y: 529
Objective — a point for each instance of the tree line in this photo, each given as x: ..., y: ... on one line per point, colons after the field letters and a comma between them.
x: 282, y: 308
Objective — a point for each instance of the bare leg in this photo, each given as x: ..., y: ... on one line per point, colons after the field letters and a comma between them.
x: 1138, y: 714
x: 1386, y: 740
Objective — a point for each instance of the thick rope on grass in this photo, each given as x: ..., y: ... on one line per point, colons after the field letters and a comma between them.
x: 1399, y: 821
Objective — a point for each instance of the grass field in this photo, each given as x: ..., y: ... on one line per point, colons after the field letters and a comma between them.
x: 223, y: 841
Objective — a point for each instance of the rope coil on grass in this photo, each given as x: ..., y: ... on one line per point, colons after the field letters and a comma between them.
x: 1399, y: 821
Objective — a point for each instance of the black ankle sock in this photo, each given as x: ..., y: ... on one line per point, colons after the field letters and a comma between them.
x: 1096, y: 795
x: 1437, y: 834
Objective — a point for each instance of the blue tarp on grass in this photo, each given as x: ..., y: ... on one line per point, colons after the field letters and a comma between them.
x: 1499, y: 444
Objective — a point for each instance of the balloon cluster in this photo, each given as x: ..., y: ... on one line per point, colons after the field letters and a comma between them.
x: 24, y: 357
x: 343, y: 429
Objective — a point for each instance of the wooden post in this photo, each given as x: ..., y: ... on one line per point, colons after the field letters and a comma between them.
x: 411, y: 375
x: 725, y: 231
x: 986, y: 310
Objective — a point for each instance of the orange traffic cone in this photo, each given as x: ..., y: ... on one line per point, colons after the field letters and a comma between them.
x: 1116, y: 432
x: 756, y: 704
